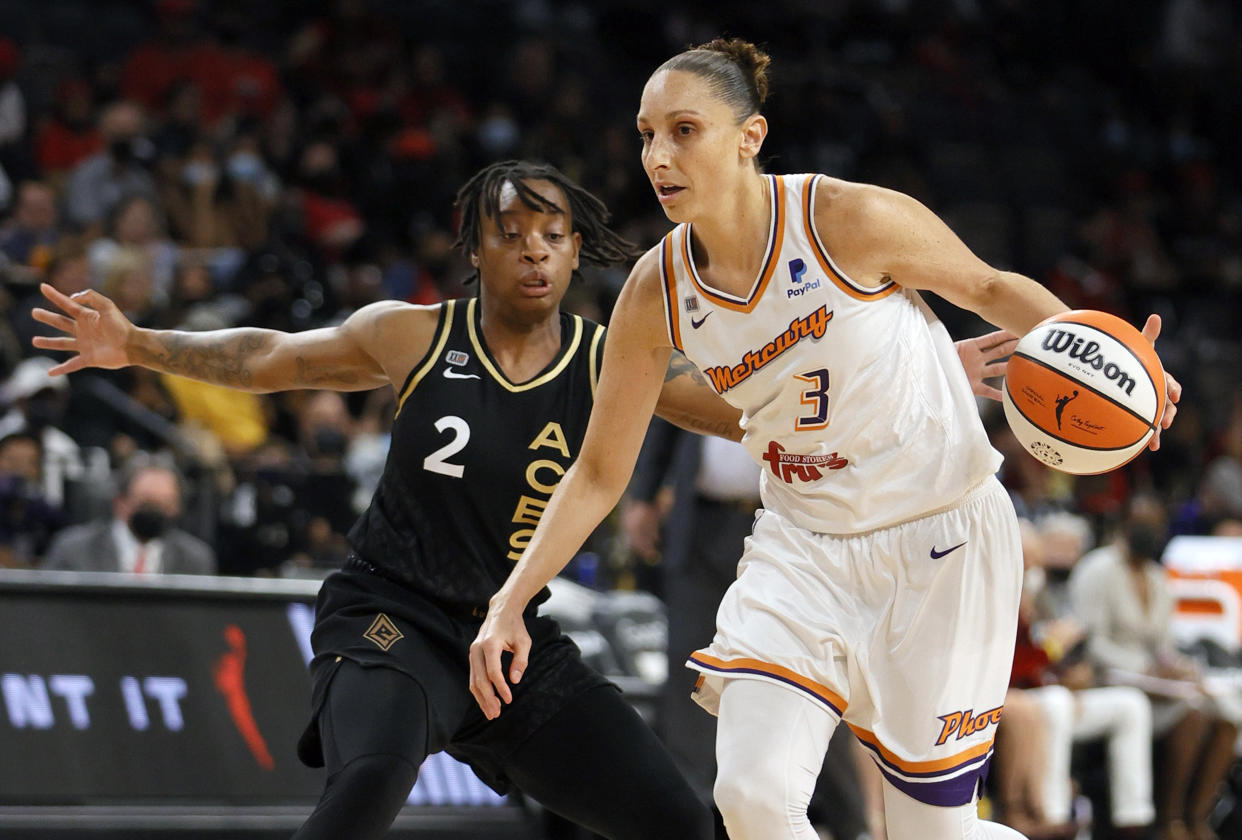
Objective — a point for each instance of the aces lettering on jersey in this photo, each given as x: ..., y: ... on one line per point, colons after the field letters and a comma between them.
x: 543, y: 473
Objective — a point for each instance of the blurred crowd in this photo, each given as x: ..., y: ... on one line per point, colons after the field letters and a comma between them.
x: 209, y: 163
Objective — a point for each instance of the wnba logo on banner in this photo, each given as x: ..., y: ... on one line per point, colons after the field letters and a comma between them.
x: 32, y: 700
x: 36, y: 701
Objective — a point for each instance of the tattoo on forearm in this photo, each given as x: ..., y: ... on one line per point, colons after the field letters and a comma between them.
x: 679, y: 365
x: 221, y: 360
x: 321, y: 376
x: 703, y: 427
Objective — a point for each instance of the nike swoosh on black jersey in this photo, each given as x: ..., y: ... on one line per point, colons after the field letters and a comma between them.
x: 699, y: 323
x: 936, y: 555
x: 448, y: 374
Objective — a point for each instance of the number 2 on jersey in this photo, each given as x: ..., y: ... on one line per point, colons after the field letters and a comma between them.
x: 817, y: 398
x: 437, y: 462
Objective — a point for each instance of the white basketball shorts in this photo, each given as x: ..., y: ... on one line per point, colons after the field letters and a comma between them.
x: 905, y: 633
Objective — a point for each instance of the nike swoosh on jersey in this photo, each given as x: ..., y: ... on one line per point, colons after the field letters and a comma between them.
x: 699, y: 323
x: 448, y: 374
x: 936, y: 555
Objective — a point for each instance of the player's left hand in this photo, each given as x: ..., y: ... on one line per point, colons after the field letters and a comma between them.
x: 503, y: 630
x: 983, y: 358
x: 1172, y: 388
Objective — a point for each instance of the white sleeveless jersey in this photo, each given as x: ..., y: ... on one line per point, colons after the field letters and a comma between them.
x: 857, y: 409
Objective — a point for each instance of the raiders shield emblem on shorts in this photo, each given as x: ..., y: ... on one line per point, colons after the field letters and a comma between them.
x: 383, y: 632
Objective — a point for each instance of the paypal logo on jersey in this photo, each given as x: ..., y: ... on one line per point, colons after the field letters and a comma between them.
x: 796, y: 269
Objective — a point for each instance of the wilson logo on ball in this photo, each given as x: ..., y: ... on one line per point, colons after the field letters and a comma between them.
x: 1088, y: 352
x: 1084, y: 392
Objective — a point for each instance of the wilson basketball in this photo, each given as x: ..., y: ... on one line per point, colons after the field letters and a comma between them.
x: 1084, y: 392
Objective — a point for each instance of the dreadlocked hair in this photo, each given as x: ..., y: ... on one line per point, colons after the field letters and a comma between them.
x: 480, y: 196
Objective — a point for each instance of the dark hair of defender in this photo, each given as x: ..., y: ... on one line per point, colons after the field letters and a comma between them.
x: 480, y: 196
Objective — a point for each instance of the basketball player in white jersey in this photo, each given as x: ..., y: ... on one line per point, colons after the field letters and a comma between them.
x: 881, y: 583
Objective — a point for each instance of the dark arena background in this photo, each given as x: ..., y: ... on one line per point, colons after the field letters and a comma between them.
x: 283, y: 164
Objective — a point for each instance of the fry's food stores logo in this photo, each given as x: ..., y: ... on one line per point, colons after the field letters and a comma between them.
x: 789, y: 466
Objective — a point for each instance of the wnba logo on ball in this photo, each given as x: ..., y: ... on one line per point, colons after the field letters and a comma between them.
x: 1087, y: 352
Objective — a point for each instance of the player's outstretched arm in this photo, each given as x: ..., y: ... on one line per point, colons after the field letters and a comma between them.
x: 635, y: 360
x: 895, y: 238
x: 349, y: 357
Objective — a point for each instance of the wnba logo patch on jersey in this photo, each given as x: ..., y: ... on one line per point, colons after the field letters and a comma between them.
x: 456, y: 357
x: 383, y: 633
x: 966, y: 723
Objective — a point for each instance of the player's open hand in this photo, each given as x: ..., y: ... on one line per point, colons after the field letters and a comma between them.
x: 503, y: 630
x: 1172, y: 388
x: 984, y: 358
x: 95, y: 329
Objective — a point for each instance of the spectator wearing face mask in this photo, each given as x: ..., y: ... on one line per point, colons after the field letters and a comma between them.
x: 141, y: 536
x: 1120, y: 594
x: 325, y: 433
x: 119, y: 169
x: 221, y: 203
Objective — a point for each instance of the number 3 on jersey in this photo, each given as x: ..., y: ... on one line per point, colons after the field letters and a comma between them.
x: 817, y: 398
x: 437, y: 462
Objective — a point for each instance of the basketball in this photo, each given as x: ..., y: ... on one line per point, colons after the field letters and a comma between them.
x: 1084, y: 392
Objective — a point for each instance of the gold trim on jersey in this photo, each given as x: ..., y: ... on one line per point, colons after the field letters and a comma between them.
x: 594, y: 357
x: 836, y: 275
x: 566, y: 355
x: 434, y: 356
x: 776, y: 237
x: 670, y: 291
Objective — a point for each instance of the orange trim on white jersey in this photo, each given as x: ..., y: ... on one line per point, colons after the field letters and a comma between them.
x: 669, y: 278
x: 835, y: 274
x: 776, y: 237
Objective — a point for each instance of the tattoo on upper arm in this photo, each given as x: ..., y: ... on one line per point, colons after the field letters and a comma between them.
x: 679, y: 365
x: 222, y: 361
x: 319, y: 375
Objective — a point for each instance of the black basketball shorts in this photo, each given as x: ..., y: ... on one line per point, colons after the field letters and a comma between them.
x: 378, y: 623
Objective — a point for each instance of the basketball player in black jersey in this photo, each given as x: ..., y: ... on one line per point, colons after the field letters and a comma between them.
x: 493, y: 396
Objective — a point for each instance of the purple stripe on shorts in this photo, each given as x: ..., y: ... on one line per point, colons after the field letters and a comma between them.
x: 946, y: 793
x: 879, y: 757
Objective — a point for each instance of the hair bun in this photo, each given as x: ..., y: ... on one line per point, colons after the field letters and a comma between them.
x: 752, y: 60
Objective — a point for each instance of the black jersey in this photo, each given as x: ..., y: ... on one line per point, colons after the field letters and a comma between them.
x: 474, y: 459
